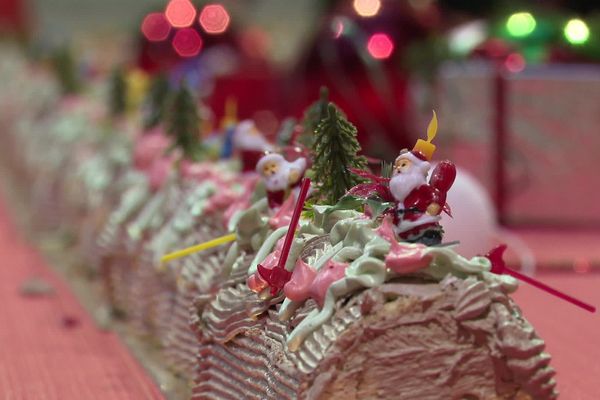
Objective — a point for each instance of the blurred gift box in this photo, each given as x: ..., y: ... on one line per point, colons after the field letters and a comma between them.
x: 548, y: 133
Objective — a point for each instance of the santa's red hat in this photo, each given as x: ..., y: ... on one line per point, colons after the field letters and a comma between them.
x: 415, y: 156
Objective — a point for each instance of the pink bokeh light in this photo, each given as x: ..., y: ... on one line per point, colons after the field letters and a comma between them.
x: 187, y: 42
x: 380, y: 46
x: 155, y: 27
x: 515, y: 62
x: 214, y: 19
x: 180, y: 13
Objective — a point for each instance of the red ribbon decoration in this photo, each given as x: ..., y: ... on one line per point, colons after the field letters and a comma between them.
x: 377, y: 185
x: 499, y: 267
x: 278, y: 276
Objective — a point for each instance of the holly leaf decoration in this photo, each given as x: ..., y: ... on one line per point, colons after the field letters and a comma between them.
x: 378, y: 207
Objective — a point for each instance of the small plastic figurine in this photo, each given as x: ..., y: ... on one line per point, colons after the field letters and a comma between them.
x: 419, y: 204
x: 280, y: 176
x: 250, y: 144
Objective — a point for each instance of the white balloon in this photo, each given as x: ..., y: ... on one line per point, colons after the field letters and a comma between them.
x: 474, y: 225
x: 473, y: 221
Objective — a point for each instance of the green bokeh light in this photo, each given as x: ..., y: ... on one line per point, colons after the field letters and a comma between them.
x: 520, y: 24
x: 576, y: 31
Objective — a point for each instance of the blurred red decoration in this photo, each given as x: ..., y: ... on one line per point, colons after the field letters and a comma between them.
x: 214, y: 19
x: 515, y: 62
x: 380, y: 46
x: 180, y: 13
x: 187, y: 42
x: 14, y: 16
x: 155, y: 27
x: 255, y: 42
x: 493, y: 49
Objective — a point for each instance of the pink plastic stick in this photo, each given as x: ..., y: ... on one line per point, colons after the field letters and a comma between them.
x: 287, y: 244
x: 550, y: 290
x: 499, y: 267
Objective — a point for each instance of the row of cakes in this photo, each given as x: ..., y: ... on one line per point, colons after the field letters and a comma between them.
x: 328, y: 281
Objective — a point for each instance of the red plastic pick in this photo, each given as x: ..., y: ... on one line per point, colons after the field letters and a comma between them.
x: 278, y: 276
x: 499, y: 267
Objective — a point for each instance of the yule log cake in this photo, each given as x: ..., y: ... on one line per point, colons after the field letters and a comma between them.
x: 360, y: 298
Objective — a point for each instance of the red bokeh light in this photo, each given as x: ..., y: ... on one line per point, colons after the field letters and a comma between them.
x: 214, y: 19
x: 180, y: 13
x: 515, y: 62
x: 155, y: 27
x: 187, y: 42
x: 380, y: 46
x: 582, y: 266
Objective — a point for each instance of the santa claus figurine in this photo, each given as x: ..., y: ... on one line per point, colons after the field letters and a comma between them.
x: 419, y: 203
x: 281, y: 177
x: 250, y: 143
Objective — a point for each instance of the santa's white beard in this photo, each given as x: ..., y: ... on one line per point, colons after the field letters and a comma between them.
x: 402, y: 184
x: 278, y: 181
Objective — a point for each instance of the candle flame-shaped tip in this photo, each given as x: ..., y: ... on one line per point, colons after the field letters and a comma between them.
x: 425, y: 147
x: 432, y: 128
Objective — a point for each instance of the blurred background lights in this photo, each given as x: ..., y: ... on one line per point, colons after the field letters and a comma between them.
x: 466, y: 37
x: 187, y: 42
x: 576, y: 31
x: 582, y: 266
x: 380, y: 46
x: 337, y: 27
x: 367, y: 8
x: 214, y: 19
x: 515, y: 62
x: 155, y: 27
x: 520, y: 24
x: 180, y: 13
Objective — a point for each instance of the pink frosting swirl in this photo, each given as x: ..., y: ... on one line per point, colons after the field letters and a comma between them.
x: 148, y: 148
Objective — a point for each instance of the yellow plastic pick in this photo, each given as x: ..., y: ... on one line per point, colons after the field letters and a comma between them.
x: 197, y: 248
x: 230, y: 115
x: 137, y: 82
x: 426, y: 147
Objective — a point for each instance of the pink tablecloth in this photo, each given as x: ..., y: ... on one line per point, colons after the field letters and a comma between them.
x: 572, y: 335
x: 50, y: 348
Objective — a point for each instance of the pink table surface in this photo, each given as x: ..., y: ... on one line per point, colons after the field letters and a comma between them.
x: 572, y: 335
x: 50, y: 349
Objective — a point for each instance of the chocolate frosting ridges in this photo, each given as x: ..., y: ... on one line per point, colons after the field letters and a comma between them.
x: 228, y: 314
x: 181, y: 344
x: 235, y: 371
x: 182, y: 341
x: 459, y: 338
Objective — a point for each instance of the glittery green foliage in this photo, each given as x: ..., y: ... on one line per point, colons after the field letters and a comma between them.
x: 312, y: 116
x: 387, y: 168
x: 66, y: 70
x: 335, y: 150
x: 117, y: 92
x: 183, y: 124
x: 155, y: 103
